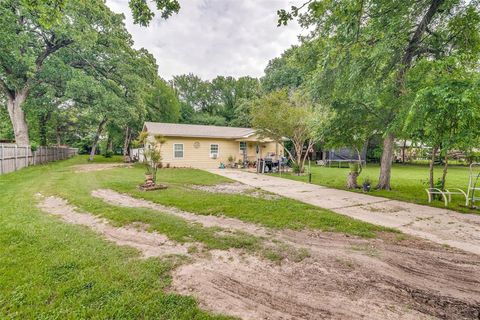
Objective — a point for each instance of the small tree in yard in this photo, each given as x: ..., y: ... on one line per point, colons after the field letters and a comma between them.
x: 347, y: 125
x: 446, y: 111
x: 282, y: 116
x: 152, y: 157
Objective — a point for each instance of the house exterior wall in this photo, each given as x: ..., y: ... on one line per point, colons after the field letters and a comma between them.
x: 196, y: 151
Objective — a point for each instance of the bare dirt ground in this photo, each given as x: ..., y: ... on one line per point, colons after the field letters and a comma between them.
x: 124, y: 200
x: 391, y: 277
x: 237, y: 188
x: 150, y: 244
x: 443, y: 226
x: 97, y: 167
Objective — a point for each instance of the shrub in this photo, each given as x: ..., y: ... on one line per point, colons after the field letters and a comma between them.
x: 473, y: 157
x: 296, y: 168
x: 34, y: 146
x: 108, y: 154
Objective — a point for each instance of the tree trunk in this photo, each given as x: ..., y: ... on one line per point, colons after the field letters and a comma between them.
x: 386, y: 162
x: 445, y: 168
x: 126, y: 145
x: 58, y: 135
x: 310, y: 144
x: 352, y: 180
x: 403, y: 150
x: 432, y: 162
x: 109, y: 143
x: 17, y: 117
x: 96, y: 138
x: 298, y: 157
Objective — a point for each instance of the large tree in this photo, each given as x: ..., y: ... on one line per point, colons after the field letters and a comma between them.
x: 36, y: 35
x: 446, y: 110
x: 27, y: 46
x: 283, y: 116
x: 369, y: 46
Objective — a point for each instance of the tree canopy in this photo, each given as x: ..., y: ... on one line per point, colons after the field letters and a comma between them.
x: 221, y: 101
x: 76, y: 72
x: 366, y: 51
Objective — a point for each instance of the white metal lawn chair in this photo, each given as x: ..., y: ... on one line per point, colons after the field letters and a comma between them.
x: 446, y: 194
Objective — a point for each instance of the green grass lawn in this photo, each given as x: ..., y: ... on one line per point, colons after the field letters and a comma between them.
x: 408, y: 182
x: 52, y: 270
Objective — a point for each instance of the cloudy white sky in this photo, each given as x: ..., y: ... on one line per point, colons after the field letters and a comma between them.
x: 214, y: 37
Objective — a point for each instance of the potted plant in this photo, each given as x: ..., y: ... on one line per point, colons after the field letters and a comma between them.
x: 152, y: 160
x: 231, y: 161
x: 367, y: 185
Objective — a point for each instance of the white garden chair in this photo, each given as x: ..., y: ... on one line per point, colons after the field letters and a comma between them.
x: 446, y: 194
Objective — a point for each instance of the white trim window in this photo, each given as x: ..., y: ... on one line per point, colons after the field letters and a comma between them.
x: 178, y: 150
x: 214, y: 150
x: 243, y: 146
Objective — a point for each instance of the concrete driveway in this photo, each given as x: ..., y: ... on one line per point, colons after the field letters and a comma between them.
x: 443, y: 226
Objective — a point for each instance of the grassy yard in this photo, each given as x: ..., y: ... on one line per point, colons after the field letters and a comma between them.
x: 50, y: 269
x: 408, y: 182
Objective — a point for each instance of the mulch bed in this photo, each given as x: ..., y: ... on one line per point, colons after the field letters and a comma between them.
x: 143, y: 187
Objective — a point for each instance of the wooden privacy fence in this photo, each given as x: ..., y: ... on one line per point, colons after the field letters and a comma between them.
x: 13, y: 157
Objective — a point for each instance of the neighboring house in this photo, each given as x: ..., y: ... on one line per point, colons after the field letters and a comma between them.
x: 201, y: 146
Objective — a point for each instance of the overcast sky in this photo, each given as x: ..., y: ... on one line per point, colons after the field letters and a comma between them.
x: 214, y: 37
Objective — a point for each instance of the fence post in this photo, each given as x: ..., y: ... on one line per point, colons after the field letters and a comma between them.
x: 15, y: 152
x: 3, y: 159
x: 26, y: 156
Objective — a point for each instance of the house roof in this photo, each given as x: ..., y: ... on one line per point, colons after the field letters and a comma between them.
x: 198, y: 131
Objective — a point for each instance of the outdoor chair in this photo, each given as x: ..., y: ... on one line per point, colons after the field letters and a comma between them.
x: 446, y: 194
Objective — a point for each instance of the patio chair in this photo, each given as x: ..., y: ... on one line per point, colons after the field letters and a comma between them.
x: 446, y: 194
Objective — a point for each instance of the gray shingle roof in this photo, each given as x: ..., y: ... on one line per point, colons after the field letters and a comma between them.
x: 199, y: 131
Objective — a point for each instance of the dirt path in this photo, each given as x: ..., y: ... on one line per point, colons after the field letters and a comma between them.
x: 237, y: 188
x: 439, y: 225
x: 345, y: 277
x: 150, y: 244
x: 89, y: 167
x: 124, y: 200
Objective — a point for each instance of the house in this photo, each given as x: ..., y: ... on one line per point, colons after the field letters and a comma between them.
x: 202, y: 146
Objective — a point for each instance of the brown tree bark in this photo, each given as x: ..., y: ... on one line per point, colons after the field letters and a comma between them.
x: 126, y: 144
x: 352, y: 180
x: 17, y: 116
x: 445, y: 169
x: 310, y: 144
x: 58, y: 135
x: 109, y: 143
x: 386, y: 162
x: 97, y: 137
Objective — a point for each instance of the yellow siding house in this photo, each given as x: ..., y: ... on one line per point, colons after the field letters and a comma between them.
x: 199, y: 146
